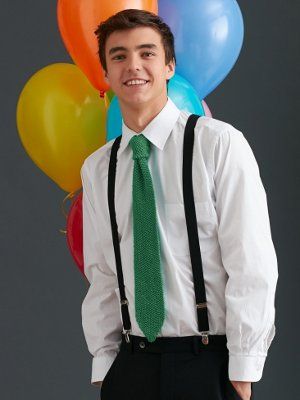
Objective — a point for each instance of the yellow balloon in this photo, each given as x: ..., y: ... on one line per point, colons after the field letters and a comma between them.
x: 61, y: 120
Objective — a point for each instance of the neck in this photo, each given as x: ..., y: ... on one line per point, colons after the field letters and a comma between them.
x: 138, y: 117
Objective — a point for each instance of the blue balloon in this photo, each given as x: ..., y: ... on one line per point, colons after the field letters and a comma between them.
x: 180, y: 92
x: 208, y: 39
x: 113, y: 120
x: 185, y: 97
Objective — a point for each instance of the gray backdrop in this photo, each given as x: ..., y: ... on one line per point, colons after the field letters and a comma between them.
x: 43, y: 350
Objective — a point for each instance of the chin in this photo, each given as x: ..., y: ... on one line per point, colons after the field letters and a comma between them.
x: 137, y: 99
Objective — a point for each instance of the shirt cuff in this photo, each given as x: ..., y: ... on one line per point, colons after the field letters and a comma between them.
x: 246, y: 368
x: 100, y: 367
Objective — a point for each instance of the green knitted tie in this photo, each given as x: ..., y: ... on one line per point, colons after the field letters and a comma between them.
x: 149, y: 300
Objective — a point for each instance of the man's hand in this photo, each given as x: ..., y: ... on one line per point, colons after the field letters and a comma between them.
x: 243, y: 389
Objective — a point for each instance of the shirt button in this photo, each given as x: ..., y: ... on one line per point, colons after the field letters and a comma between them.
x: 142, y: 345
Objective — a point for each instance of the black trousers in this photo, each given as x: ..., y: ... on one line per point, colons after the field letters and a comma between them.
x: 173, y: 368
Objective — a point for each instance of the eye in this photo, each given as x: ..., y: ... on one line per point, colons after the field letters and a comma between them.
x: 148, y: 53
x: 116, y: 57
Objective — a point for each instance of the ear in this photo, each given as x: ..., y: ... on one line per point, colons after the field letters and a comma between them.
x: 170, y: 69
x: 106, y: 76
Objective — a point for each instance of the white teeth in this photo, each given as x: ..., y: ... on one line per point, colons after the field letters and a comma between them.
x: 135, y: 82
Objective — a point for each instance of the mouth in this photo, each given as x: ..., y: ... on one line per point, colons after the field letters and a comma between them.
x: 133, y: 83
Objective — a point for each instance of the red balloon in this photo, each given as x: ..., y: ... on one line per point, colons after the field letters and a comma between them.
x: 74, y: 232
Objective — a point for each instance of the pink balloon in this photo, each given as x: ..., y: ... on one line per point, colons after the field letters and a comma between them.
x: 206, y: 109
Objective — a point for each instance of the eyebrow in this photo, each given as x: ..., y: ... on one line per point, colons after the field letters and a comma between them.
x: 140, y: 46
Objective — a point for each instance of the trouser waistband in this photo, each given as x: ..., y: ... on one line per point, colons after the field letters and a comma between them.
x: 176, y: 344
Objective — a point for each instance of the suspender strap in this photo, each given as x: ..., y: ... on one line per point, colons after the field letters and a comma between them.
x: 191, y: 223
x: 114, y: 229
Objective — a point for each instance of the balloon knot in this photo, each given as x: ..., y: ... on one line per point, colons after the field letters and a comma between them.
x: 102, y: 93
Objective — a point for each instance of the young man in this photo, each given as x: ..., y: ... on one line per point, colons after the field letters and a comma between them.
x: 142, y: 258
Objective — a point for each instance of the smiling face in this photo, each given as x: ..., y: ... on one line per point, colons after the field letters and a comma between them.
x: 136, y: 69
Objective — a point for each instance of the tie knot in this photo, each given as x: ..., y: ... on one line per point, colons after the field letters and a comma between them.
x: 140, y: 146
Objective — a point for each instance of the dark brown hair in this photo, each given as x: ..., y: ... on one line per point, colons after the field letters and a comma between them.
x: 132, y: 18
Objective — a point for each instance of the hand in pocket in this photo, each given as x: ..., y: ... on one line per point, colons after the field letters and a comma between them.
x: 243, y: 389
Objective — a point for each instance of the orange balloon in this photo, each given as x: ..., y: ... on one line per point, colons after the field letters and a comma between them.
x: 77, y: 22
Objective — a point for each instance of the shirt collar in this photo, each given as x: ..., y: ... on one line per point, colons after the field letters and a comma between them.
x: 158, y: 130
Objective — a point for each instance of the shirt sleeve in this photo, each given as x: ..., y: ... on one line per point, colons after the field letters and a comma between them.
x: 248, y: 255
x: 101, y: 320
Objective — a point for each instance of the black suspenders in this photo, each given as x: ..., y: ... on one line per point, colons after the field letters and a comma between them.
x: 192, y: 230
x: 191, y: 224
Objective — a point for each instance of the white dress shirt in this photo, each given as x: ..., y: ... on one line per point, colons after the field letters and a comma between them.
x: 239, y: 260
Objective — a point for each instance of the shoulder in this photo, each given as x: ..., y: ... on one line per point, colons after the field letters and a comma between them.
x: 209, y: 132
x: 98, y: 161
x: 209, y: 128
x: 216, y: 139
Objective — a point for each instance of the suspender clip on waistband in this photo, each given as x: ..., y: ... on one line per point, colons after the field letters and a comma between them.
x: 127, y: 332
x: 205, y: 337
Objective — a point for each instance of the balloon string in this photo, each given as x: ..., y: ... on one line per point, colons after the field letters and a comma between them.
x: 104, y: 96
x: 86, y: 281
x: 106, y: 101
x: 68, y: 196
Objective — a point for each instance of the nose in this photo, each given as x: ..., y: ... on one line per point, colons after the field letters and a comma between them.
x: 133, y: 63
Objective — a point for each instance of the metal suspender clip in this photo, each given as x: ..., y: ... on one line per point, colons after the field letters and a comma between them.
x: 202, y: 305
x: 204, y: 334
x: 205, y: 337
x: 127, y: 332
